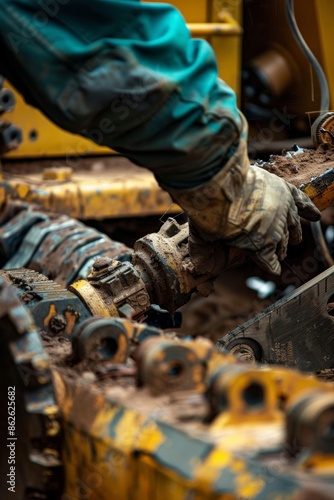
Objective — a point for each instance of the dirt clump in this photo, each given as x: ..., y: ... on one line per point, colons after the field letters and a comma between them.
x: 301, y: 166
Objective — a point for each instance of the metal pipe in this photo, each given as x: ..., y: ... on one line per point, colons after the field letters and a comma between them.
x: 214, y: 29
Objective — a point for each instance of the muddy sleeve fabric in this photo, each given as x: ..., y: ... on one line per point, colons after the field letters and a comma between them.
x: 127, y: 75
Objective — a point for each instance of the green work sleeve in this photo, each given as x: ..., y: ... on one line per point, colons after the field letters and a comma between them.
x: 128, y: 76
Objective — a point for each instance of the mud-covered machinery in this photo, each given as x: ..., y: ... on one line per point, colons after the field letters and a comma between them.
x: 118, y: 409
x: 109, y: 405
x: 101, y: 396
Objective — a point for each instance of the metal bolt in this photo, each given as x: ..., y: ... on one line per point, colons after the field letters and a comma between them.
x: 244, y: 352
x: 102, y: 263
x: 57, y: 323
x: 10, y: 137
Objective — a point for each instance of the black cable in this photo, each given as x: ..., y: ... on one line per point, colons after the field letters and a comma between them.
x: 289, y: 7
x: 316, y: 228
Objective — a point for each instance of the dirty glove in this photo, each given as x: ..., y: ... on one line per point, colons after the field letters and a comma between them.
x: 246, y: 207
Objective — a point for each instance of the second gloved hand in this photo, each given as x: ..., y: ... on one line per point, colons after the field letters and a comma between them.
x: 246, y: 207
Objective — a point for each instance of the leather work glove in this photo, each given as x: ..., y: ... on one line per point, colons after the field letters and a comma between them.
x: 246, y: 207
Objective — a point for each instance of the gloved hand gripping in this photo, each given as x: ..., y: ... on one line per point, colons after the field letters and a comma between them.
x: 246, y: 207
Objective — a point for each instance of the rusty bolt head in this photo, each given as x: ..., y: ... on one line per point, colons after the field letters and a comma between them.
x: 7, y: 100
x: 10, y: 137
x: 244, y: 352
x: 57, y: 323
x: 102, y: 263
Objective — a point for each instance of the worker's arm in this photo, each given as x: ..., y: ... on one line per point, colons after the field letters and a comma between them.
x: 127, y: 75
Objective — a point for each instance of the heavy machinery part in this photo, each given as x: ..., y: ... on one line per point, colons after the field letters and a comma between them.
x: 121, y: 441
x: 309, y: 421
x: 100, y: 339
x: 10, y: 137
x: 30, y: 463
x: 108, y: 340
x: 228, y: 442
x: 160, y: 273
x: 59, y: 313
x: 55, y: 311
x: 322, y: 129
x: 106, y: 187
x: 244, y: 391
x: 60, y: 247
x: 14, y: 230
x: 275, y: 127
x: 167, y: 366
x: 321, y: 189
x: 265, y: 78
x: 296, y: 331
x: 7, y: 100
x: 109, y: 293
x: 164, y: 263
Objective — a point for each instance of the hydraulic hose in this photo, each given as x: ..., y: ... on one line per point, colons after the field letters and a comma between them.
x: 316, y: 228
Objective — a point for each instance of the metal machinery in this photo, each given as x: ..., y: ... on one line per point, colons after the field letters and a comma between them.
x: 110, y: 401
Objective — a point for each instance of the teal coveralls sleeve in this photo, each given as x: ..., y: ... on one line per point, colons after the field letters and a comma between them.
x: 127, y: 75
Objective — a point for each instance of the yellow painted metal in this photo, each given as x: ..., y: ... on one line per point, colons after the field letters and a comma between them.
x: 113, y: 448
x: 41, y: 138
x: 120, y: 189
x: 228, y: 49
x: 195, y: 11
x: 104, y: 464
x: 214, y: 29
x: 212, y: 19
x: 92, y: 299
x: 321, y: 189
x: 57, y: 174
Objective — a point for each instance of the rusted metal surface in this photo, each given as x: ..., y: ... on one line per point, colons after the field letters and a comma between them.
x: 295, y: 331
x: 200, y: 421
x: 33, y: 424
x: 98, y: 188
x: 10, y: 137
x: 165, y: 366
x: 56, y: 311
x: 163, y: 258
x: 60, y: 247
x: 160, y: 272
x: 109, y: 340
x: 222, y: 436
x: 321, y: 189
x: 323, y: 129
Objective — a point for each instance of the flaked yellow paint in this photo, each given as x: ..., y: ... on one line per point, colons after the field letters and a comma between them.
x: 52, y: 312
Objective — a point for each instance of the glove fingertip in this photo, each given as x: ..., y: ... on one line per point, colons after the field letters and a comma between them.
x: 310, y: 213
x: 271, y: 266
x: 306, y: 207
